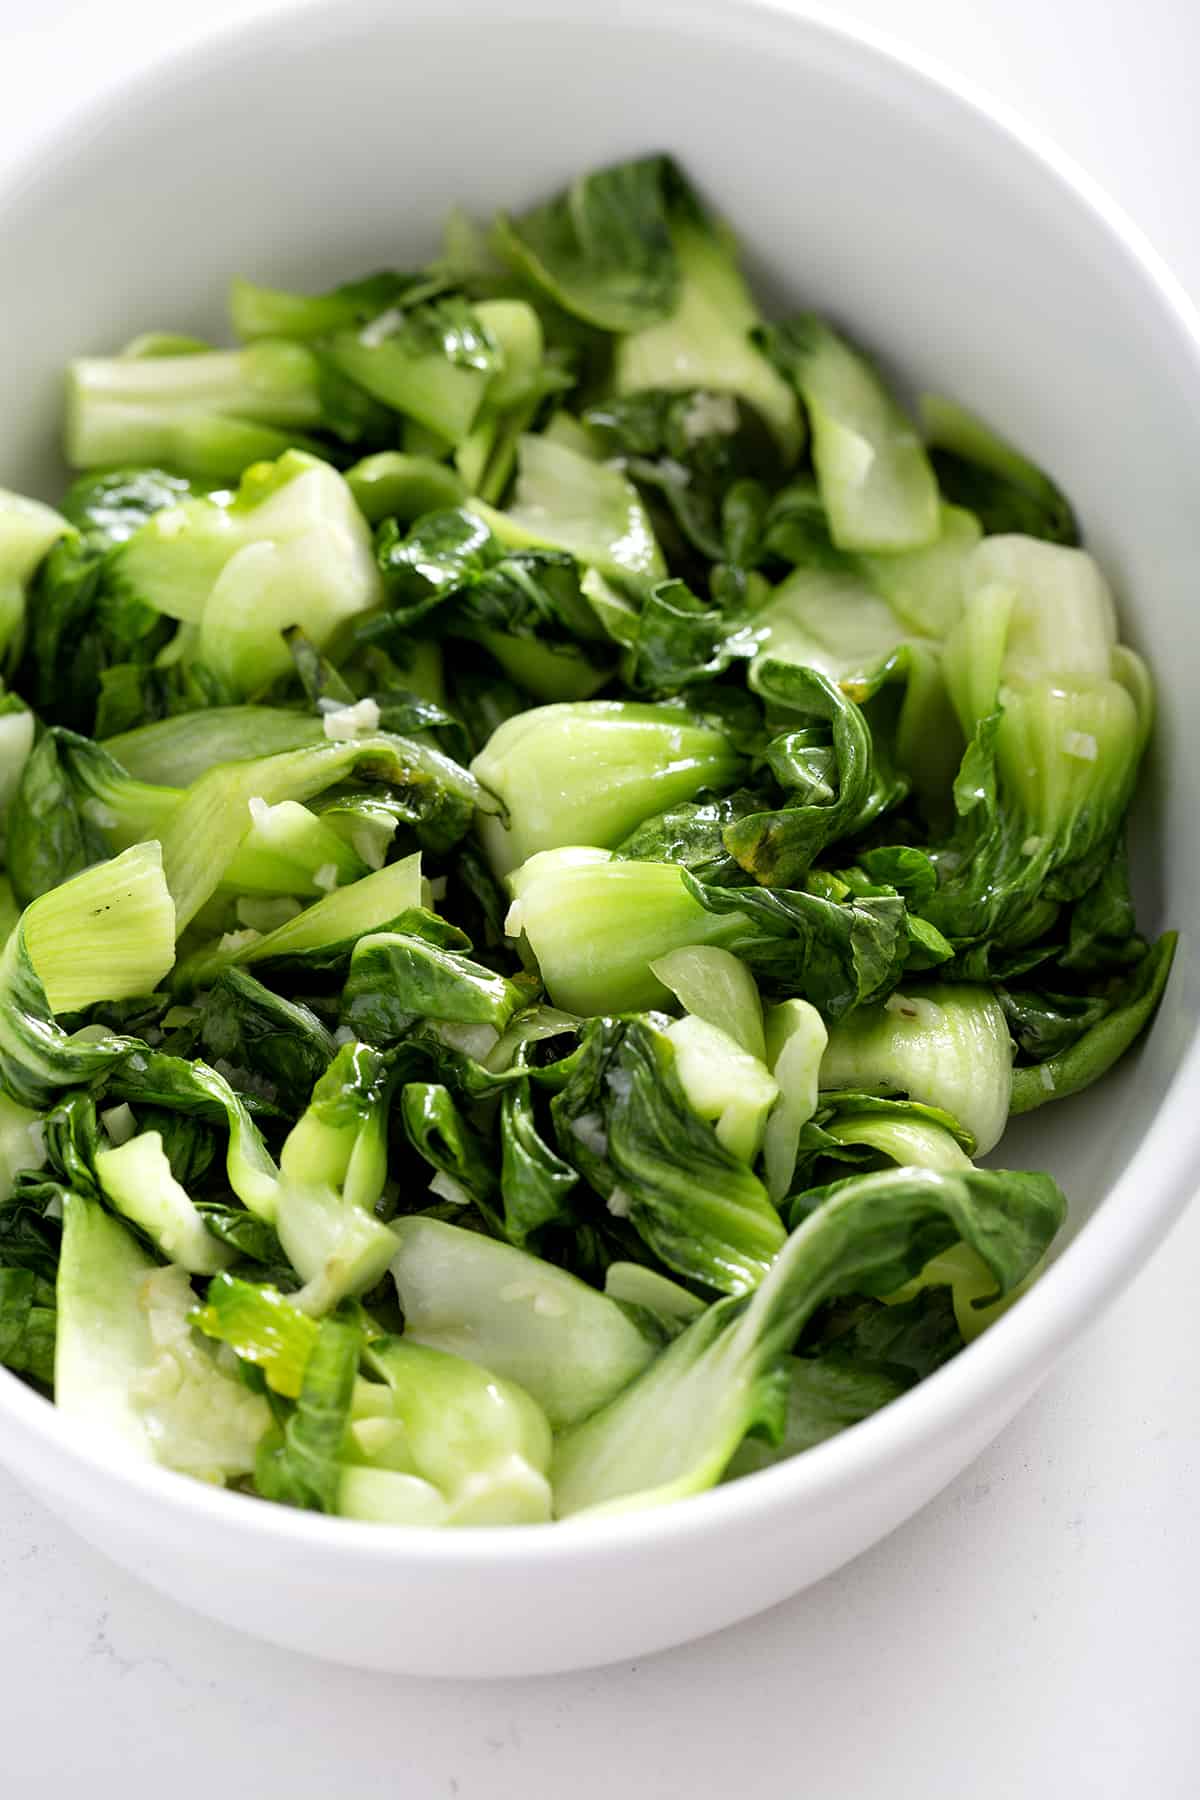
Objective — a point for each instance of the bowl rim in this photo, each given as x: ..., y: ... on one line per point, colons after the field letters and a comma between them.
x: 1135, y: 1214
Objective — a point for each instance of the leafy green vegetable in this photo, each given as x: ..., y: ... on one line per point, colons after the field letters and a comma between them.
x: 706, y: 343
x: 569, y: 1347
x: 450, y: 573
x: 106, y: 934
x: 213, y: 820
x: 75, y: 804
x: 128, y: 1366
x: 390, y: 485
x: 824, y: 759
x: 713, y: 985
x: 258, y: 312
x: 567, y: 501
x: 299, y: 1463
x: 724, y: 1083
x: 175, y: 752
x: 876, y: 482
x: 535, y: 1182
x: 596, y: 926
x: 603, y: 249
x: 796, y: 1040
x: 289, y: 548
x: 790, y: 861
x: 262, y: 1327
x: 480, y: 1439
x: 1058, y: 714
x: 947, y: 1046
x: 397, y: 978
x: 726, y: 1373
x: 432, y: 361
x: 626, y: 1120
x: 27, y: 530
x: 137, y: 1180
x: 325, y: 933
x: 705, y: 456
x: 27, y: 1324
x: 1103, y: 1042
x: 977, y: 468
x: 207, y: 415
x: 332, y: 1170
x: 855, y: 1372
x: 591, y: 772
x: 263, y: 1035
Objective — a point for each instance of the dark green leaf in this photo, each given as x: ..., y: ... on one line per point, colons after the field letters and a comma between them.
x: 246, y: 1029
x: 1103, y: 1043
x: 693, y: 835
x: 49, y: 835
x: 28, y: 1319
x: 396, y: 979
x: 1002, y: 506
x: 438, y: 1131
x: 535, y: 1183
x: 879, y: 1230
x: 623, y: 1120
x: 911, y: 1339
x: 251, y: 1237
x: 707, y: 456
x: 602, y: 248
x: 827, y: 760
x: 825, y: 1396
x: 30, y: 1227
x: 835, y: 953
x: 680, y: 640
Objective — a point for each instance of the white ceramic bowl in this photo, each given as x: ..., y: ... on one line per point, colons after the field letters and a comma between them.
x: 333, y: 139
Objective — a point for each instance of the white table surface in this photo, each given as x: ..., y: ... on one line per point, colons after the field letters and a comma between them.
x: 1035, y: 1632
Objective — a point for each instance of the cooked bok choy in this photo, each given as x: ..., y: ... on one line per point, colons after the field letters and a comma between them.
x: 545, y: 828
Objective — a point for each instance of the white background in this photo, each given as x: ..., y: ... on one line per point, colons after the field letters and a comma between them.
x: 1034, y: 1632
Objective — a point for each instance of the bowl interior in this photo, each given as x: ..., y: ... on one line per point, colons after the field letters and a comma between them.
x: 307, y: 152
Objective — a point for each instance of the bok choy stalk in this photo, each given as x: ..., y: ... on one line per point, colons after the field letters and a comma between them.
x: 181, y: 406
x: 75, y: 803
x: 946, y: 1046
x: 1059, y: 713
x: 564, y: 500
x: 592, y: 772
x: 332, y: 1168
x: 137, y: 1181
x: 289, y: 548
x: 323, y: 935
x: 128, y: 1367
x: 715, y: 986
x: 876, y: 482
x: 216, y: 813
x: 320, y: 1198
x: 597, y: 925
x: 107, y: 934
x: 568, y: 1346
x: 479, y: 1440
x: 27, y: 530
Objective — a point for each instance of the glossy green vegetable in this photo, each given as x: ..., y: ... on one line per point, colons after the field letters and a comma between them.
x: 542, y: 829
